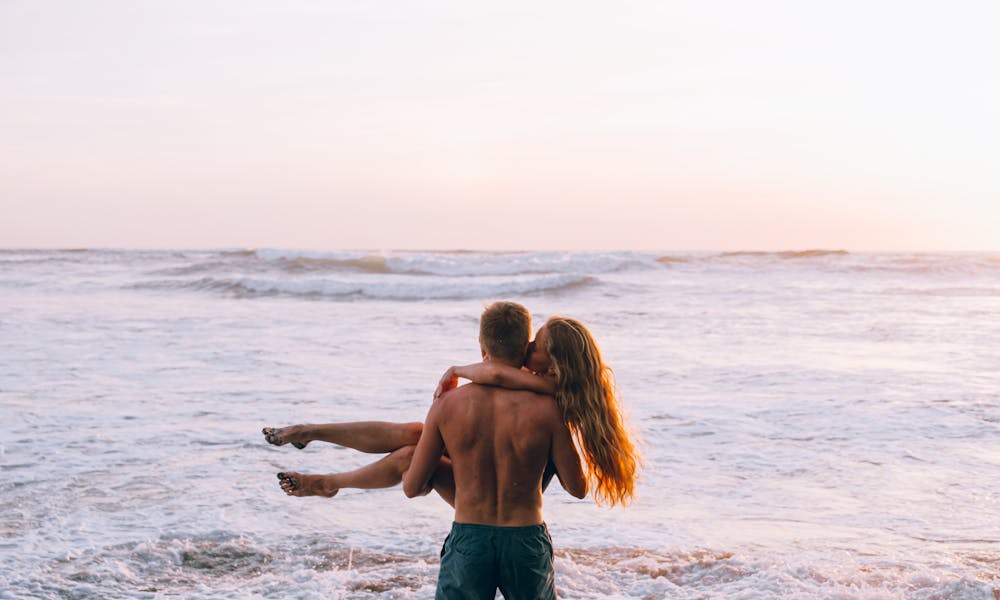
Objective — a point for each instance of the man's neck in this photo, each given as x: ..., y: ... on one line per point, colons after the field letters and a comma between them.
x: 500, y: 361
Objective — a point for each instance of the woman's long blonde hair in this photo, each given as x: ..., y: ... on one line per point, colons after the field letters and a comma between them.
x: 585, y: 391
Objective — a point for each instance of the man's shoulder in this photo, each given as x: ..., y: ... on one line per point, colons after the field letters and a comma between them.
x: 546, y: 405
x: 462, y: 392
x: 462, y: 395
x: 476, y: 389
x: 472, y: 392
x: 541, y: 406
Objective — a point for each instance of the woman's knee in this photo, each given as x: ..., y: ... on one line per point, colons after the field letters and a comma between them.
x: 402, y: 457
x: 411, y: 433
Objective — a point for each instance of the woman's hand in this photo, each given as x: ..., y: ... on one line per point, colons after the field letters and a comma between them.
x: 449, y: 381
x: 483, y: 373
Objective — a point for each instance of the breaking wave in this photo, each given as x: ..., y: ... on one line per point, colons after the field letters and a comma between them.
x: 388, y: 276
x: 400, y: 288
x: 787, y: 254
x: 406, y: 275
x: 841, y: 261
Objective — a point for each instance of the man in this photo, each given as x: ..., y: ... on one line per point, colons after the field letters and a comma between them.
x: 499, y: 442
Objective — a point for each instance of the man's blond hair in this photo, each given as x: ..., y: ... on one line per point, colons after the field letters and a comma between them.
x: 504, y: 330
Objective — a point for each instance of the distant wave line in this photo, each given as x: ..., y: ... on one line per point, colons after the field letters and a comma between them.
x: 842, y: 261
x: 344, y: 290
x: 815, y: 253
x: 785, y: 254
x: 458, y: 265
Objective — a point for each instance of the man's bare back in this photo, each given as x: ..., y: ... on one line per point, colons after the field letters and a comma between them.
x: 499, y: 442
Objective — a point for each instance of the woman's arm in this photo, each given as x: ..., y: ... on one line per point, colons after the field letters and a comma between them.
x: 500, y: 375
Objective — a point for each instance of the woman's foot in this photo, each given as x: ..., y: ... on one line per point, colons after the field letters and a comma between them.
x: 293, y: 434
x: 298, y: 484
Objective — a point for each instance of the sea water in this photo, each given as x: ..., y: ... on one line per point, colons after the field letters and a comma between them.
x: 814, y: 424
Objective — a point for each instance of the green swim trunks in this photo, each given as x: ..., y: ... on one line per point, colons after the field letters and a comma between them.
x: 478, y: 559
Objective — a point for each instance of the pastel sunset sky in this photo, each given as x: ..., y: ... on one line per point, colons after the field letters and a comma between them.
x: 771, y: 125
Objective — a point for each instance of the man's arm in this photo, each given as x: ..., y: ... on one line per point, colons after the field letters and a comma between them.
x: 416, y: 480
x: 567, y: 461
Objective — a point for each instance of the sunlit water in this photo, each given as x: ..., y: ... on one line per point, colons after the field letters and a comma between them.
x: 815, y: 425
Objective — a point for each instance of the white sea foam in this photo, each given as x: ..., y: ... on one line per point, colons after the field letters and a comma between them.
x: 459, y: 264
x: 395, y: 288
x: 816, y: 425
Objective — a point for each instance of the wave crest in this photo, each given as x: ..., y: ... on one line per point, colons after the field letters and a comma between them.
x: 786, y: 254
x: 400, y: 288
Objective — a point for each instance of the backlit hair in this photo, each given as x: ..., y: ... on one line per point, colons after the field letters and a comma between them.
x: 585, y: 391
x: 504, y: 330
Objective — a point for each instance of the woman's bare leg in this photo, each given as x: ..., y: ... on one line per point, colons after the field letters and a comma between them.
x: 383, y: 473
x: 376, y: 437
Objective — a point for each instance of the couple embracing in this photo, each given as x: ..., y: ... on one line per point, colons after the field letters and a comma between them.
x: 490, y: 448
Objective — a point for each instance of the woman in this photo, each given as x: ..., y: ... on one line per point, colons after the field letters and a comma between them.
x: 563, y: 361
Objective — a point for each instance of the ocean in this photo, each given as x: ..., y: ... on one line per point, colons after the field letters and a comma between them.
x: 815, y: 424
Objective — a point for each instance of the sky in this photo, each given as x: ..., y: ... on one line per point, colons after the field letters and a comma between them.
x: 646, y: 125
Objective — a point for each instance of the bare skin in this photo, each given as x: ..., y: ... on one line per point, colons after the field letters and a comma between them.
x: 500, y: 442
x: 382, y: 473
x: 535, y: 374
x: 300, y: 484
x: 380, y: 437
x: 376, y: 437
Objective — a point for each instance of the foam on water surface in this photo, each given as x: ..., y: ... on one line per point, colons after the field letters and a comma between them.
x: 816, y: 424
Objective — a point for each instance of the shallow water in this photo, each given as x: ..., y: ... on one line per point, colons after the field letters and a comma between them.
x: 815, y: 425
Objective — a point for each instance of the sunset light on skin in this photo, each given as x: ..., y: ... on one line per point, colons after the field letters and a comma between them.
x: 553, y: 125
x: 246, y: 245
